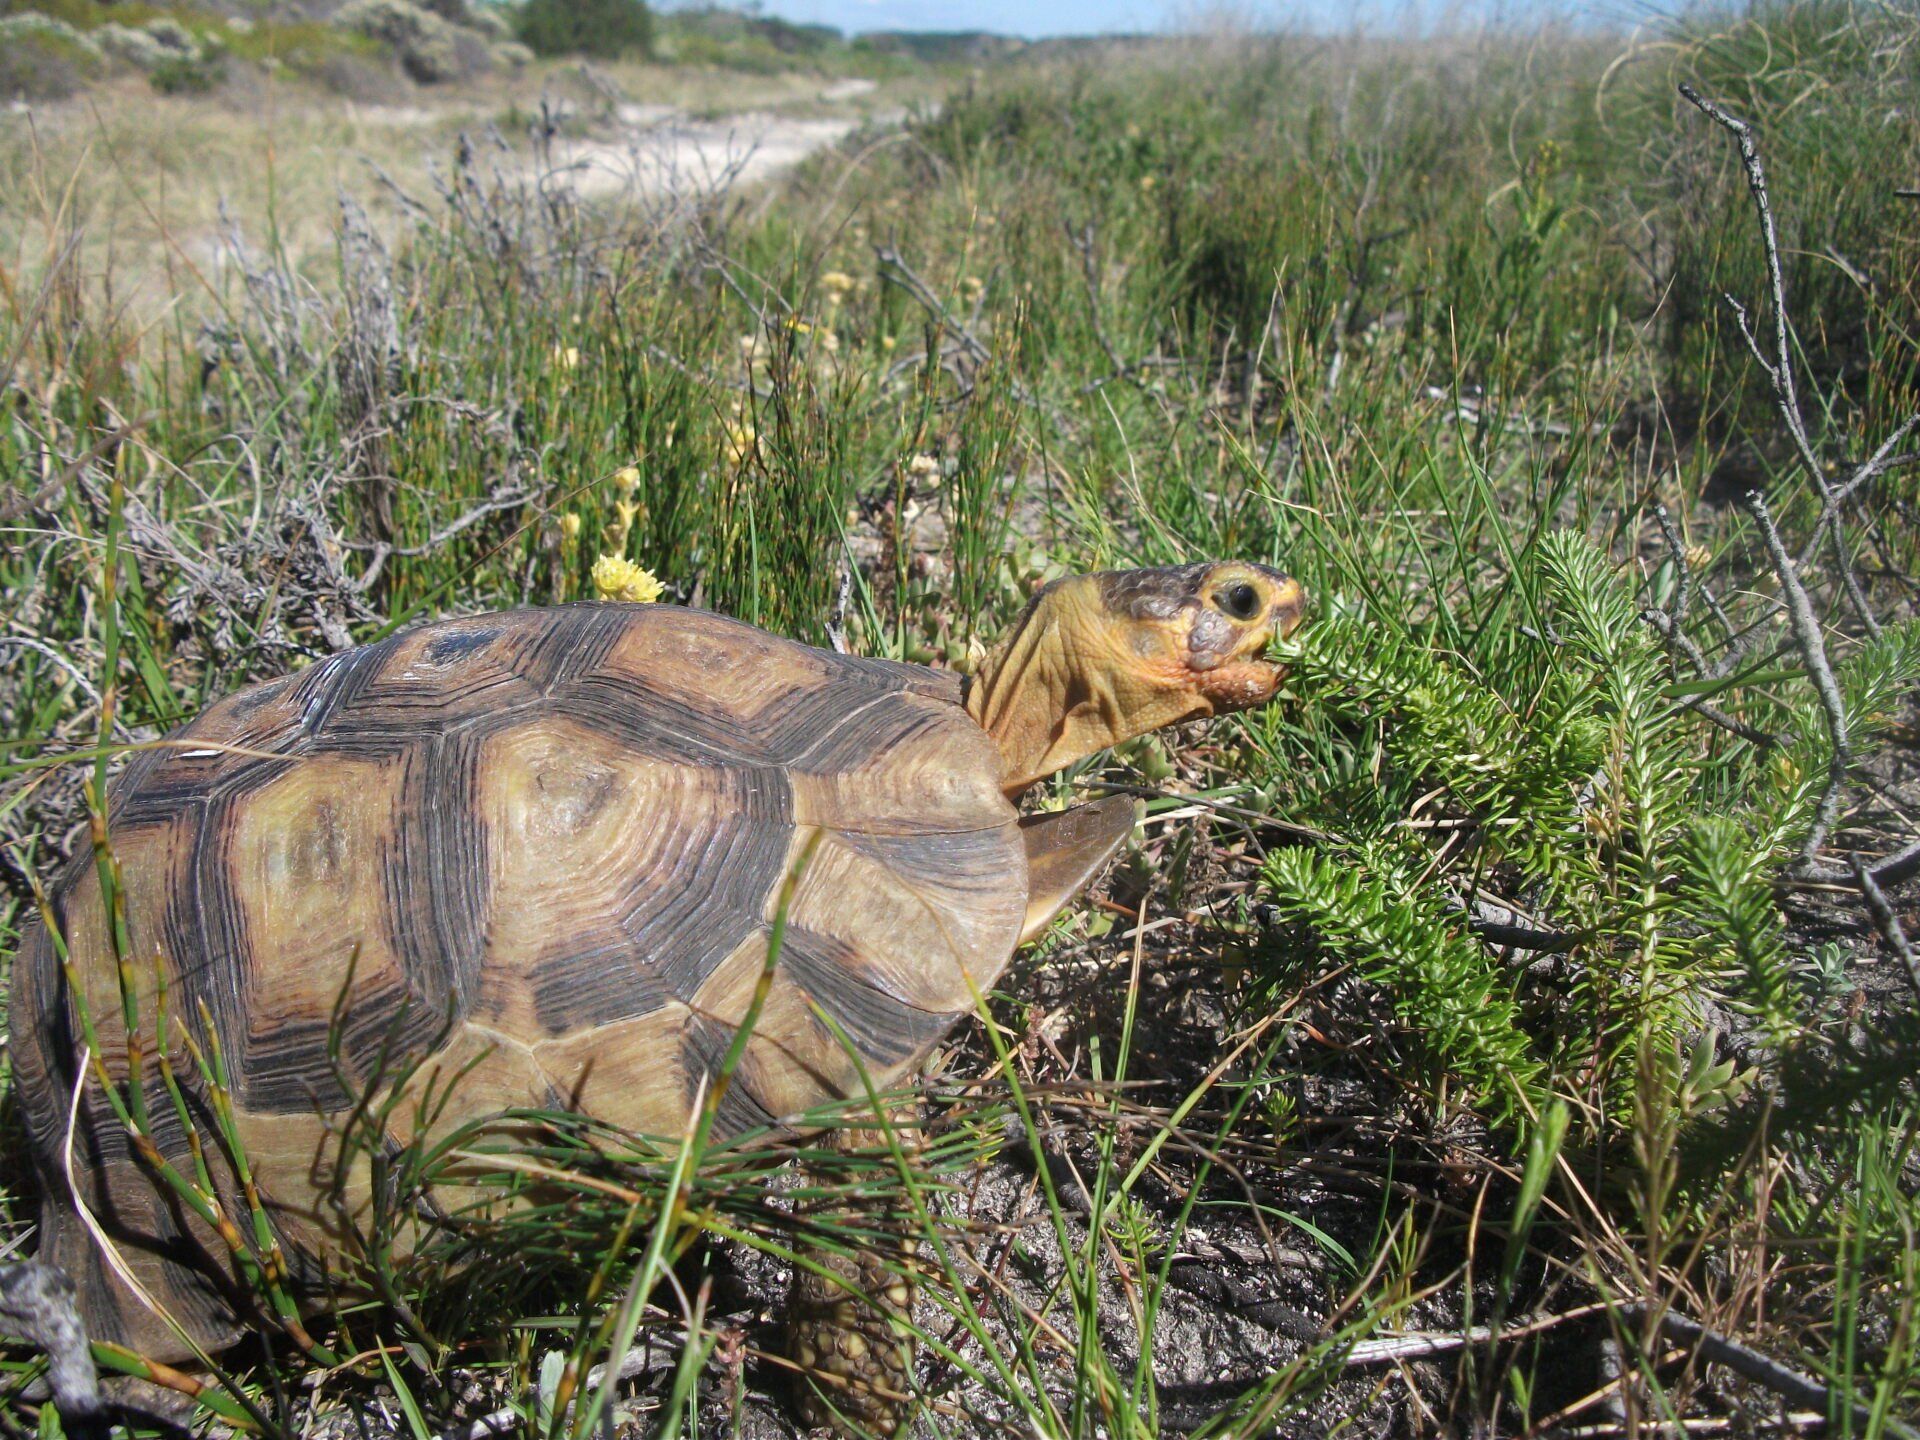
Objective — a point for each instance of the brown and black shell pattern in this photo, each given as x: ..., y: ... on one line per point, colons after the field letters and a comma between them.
x: 543, y: 849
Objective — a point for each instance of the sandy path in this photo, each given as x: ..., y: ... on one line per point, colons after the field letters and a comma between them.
x: 661, y: 150
x: 160, y: 187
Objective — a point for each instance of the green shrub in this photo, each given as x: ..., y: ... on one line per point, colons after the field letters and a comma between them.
x: 605, y: 29
x: 133, y: 46
x: 42, y: 58
x: 188, y: 74
x: 31, y: 70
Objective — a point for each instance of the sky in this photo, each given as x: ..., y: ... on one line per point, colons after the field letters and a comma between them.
x: 1035, y: 19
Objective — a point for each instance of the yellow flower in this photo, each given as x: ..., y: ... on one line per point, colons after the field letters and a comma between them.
x: 887, y: 342
x: 569, y: 527
x: 835, y: 284
x: 615, y: 578
x: 1147, y: 182
x: 627, y: 480
x: 566, y: 357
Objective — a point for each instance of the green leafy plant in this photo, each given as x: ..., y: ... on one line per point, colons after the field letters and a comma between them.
x: 604, y: 29
x: 1591, y: 807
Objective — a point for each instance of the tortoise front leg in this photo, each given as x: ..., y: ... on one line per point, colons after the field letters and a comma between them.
x: 851, y: 1334
x: 38, y: 1303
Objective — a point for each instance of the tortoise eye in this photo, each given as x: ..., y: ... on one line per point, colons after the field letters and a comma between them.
x: 1240, y: 600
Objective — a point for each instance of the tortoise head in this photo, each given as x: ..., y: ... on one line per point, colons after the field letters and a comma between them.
x: 1098, y: 659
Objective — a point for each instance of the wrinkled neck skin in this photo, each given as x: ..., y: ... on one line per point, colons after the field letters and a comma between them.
x: 1067, y: 683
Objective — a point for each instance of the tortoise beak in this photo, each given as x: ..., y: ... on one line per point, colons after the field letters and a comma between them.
x: 1288, y: 606
x: 1244, y: 677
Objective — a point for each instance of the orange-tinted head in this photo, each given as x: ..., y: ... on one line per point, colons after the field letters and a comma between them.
x: 1098, y: 659
x: 1204, y: 628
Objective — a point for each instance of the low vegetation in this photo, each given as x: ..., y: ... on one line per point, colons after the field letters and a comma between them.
x: 608, y: 28
x: 1513, y: 1030
x: 364, y: 49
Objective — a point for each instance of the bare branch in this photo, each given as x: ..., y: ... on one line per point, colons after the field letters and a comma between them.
x: 1084, y: 240
x: 1504, y: 927
x: 21, y: 502
x: 1887, y: 923
x: 1778, y: 367
x: 507, y: 498
x: 1709, y: 1345
x: 895, y: 268
x: 1901, y: 865
x: 1749, y: 1363
x: 1682, y: 587
x: 1813, y: 654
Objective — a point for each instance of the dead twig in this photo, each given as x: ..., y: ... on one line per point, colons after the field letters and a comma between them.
x: 1710, y: 1345
x: 1425, y: 1344
x: 1750, y: 1364
x: 1813, y: 654
x: 1506, y: 928
x: 1901, y: 865
x: 895, y: 270
x: 1778, y: 367
x: 23, y: 503
x: 1888, y: 923
x: 505, y: 498
x: 1085, y: 242
x: 1675, y: 630
x: 1662, y: 622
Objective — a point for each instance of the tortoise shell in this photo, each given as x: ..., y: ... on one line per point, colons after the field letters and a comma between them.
x: 542, y: 851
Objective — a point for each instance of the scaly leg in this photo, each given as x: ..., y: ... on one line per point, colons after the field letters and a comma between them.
x: 860, y: 1355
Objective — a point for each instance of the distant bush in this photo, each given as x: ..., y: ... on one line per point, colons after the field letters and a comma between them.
x: 175, y: 61
x: 188, y: 74
x: 43, y: 58
x: 31, y: 24
x: 605, y: 29
x: 791, y: 39
x: 302, y: 45
x: 135, y: 47
x: 350, y: 75
x: 431, y: 48
x: 481, y: 19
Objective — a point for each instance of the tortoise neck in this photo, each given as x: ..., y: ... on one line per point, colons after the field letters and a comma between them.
x: 1055, y: 690
x: 1020, y: 695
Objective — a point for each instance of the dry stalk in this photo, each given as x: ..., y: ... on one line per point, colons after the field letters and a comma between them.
x: 1778, y: 367
x: 1813, y: 654
x: 1710, y: 1345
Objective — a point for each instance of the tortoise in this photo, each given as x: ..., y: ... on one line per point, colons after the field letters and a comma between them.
x: 541, y: 849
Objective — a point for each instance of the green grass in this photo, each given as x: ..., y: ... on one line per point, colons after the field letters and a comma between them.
x: 1436, y: 329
